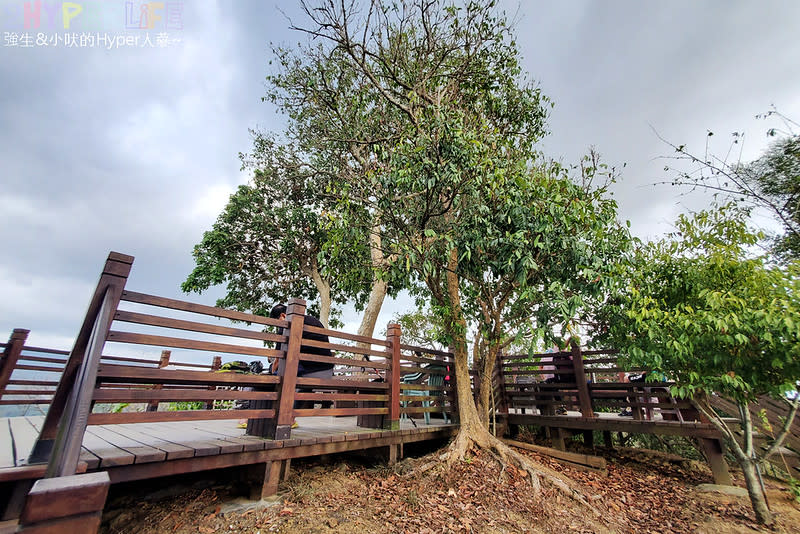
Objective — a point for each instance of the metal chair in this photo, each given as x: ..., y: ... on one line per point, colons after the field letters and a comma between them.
x: 413, y: 379
x: 436, y: 380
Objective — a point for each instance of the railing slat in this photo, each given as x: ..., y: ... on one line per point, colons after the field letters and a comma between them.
x: 193, y: 344
x: 184, y: 415
x: 343, y: 348
x: 173, y: 304
x: 178, y: 395
x: 193, y: 326
x: 112, y: 372
x: 343, y: 335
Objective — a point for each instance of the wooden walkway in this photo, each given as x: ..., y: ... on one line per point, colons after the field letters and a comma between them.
x: 136, y: 348
x: 145, y: 450
x: 347, y: 392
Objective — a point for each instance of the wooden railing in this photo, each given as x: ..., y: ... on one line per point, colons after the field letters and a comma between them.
x: 99, y: 371
x: 29, y: 379
x: 547, y: 381
x: 432, y: 387
x: 29, y: 375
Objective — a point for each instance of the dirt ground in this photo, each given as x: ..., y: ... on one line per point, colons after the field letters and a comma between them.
x: 642, y: 492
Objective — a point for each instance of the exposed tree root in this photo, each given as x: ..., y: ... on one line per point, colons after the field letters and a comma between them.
x: 505, y: 456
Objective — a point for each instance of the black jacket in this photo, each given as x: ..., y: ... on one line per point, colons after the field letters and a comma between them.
x: 305, y: 367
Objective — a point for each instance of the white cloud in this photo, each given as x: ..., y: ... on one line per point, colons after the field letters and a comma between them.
x: 209, y: 203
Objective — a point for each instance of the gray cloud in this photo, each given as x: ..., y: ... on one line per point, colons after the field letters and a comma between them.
x: 135, y: 150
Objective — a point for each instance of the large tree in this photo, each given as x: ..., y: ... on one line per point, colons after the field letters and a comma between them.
x: 429, y: 102
x: 535, y: 260
x: 703, y: 311
x: 267, y: 244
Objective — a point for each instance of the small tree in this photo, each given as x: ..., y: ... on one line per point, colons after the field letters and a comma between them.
x: 703, y: 311
x: 422, y: 327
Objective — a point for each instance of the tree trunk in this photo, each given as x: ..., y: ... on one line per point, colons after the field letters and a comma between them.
x: 485, y: 377
x: 744, y: 454
x: 373, y: 309
x: 324, y: 289
x: 379, y: 287
x: 472, y: 431
x: 757, y: 498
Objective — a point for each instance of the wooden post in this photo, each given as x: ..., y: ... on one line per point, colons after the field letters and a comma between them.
x: 392, y: 454
x: 65, y: 423
x: 712, y: 449
x: 393, y: 333
x: 454, y: 415
x: 287, y: 369
x: 558, y: 435
x: 216, y: 363
x: 11, y: 355
x: 715, y: 455
x: 286, y: 469
x: 162, y: 362
x: 264, y: 478
x: 580, y: 380
x: 65, y: 504
x: 499, y: 385
x: 272, y: 478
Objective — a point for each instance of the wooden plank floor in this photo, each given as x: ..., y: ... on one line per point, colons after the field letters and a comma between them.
x: 108, y: 446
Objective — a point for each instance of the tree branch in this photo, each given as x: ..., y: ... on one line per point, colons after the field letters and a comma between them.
x: 787, y: 425
x: 720, y: 425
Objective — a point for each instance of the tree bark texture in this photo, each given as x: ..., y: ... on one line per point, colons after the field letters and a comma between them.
x: 757, y: 498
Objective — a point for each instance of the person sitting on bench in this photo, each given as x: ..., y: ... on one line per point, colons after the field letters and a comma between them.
x: 306, y: 369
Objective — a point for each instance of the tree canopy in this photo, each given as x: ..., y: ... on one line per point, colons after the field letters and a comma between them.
x: 267, y: 244
x: 775, y: 176
x: 429, y: 104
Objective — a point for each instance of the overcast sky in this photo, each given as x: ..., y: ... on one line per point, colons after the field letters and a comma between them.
x: 135, y: 148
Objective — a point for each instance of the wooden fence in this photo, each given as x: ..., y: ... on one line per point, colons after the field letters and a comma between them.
x: 144, y: 349
x: 123, y: 354
x: 588, y: 381
x: 29, y: 375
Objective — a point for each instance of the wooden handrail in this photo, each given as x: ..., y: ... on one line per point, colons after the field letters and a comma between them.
x: 11, y: 354
x: 115, y: 274
x: 67, y: 445
x: 88, y: 377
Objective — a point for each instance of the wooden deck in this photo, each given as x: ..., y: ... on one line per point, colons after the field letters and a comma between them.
x: 372, y: 383
x: 144, y: 450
